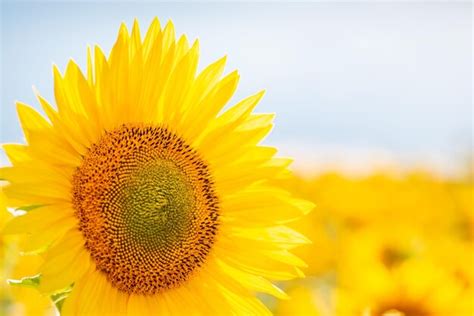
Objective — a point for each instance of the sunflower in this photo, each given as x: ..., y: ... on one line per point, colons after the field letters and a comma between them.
x: 417, y: 287
x: 144, y: 194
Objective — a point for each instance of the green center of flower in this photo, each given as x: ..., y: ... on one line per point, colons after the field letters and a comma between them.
x: 146, y: 207
x: 157, y: 205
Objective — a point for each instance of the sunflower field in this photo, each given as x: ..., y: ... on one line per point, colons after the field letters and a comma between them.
x: 388, y: 243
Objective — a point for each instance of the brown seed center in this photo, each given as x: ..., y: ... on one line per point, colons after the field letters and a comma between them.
x: 146, y: 207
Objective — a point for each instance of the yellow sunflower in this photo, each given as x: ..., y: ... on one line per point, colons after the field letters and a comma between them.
x: 144, y: 194
x: 418, y: 287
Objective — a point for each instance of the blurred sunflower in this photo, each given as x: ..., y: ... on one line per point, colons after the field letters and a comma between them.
x: 417, y: 287
x: 401, y: 245
x: 18, y: 300
x: 367, y: 256
x: 144, y: 195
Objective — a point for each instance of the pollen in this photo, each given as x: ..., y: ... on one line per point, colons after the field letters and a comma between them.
x: 147, y: 208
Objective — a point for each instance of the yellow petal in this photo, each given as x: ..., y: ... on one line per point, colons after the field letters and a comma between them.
x: 228, y: 121
x: 139, y: 305
x: 201, y: 87
x: 251, y: 281
x: 178, y: 85
x: 30, y: 120
x: 210, y: 106
x: 154, y: 31
x: 38, y: 220
x: 16, y: 153
x: 40, y: 240
x: 136, y: 41
x: 168, y: 42
x: 65, y: 263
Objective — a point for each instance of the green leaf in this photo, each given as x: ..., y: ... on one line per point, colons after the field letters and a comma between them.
x: 28, y: 208
x: 58, y: 298
x: 31, y: 281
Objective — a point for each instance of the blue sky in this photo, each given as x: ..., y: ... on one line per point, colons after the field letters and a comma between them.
x: 347, y: 80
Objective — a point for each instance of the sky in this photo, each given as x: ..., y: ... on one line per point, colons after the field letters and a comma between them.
x: 351, y: 83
